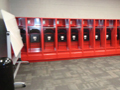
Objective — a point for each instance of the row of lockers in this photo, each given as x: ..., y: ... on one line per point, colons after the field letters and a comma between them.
x: 45, y: 36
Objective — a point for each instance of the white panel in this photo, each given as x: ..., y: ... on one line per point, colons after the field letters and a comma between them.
x: 11, y: 26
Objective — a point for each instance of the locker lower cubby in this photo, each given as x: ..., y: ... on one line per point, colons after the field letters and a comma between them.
x: 35, y: 56
x: 76, y: 54
x: 75, y: 46
x: 88, y: 53
x: 110, y: 52
x: 99, y: 52
x: 49, y: 47
x: 34, y: 47
x: 24, y: 56
x: 109, y: 45
x: 118, y: 43
x: 63, y: 55
x: 118, y: 51
x: 98, y: 44
x: 50, y: 55
x: 32, y: 57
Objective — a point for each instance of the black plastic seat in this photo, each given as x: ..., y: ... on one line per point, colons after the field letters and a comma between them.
x: 22, y: 31
x: 62, y: 35
x: 34, y: 36
x: 49, y: 35
x: 97, y: 34
x: 86, y: 35
x: 23, y: 35
x: 34, y: 31
x: 74, y: 35
x: 108, y: 34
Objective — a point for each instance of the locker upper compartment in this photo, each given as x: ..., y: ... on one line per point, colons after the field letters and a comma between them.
x: 49, y: 35
x: 108, y: 34
x: 74, y: 35
x: 97, y: 34
x: 62, y: 35
x: 34, y: 36
x: 86, y: 35
x: 118, y: 34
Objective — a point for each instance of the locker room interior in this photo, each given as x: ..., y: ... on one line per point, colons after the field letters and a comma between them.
x: 70, y: 44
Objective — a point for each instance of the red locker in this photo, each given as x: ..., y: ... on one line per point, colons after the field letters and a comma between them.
x: 63, y: 34
x: 110, y: 37
x: 99, y: 37
x: 48, y: 39
x: 49, y: 35
x: 118, y: 33
x: 34, y: 35
x: 75, y: 34
x: 22, y: 27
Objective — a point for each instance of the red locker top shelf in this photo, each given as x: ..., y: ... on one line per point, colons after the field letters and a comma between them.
x: 118, y: 23
x: 111, y: 23
x: 99, y: 23
x: 48, y: 22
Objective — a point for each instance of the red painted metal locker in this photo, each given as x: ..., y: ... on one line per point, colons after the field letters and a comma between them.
x: 48, y: 39
x: 34, y: 34
x: 118, y: 36
x: 76, y: 37
x: 88, y: 37
x: 100, y: 37
x: 110, y: 37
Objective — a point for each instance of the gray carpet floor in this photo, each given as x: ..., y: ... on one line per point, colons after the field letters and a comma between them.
x: 101, y: 73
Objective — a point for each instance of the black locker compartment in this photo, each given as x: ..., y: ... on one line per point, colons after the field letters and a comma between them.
x: 22, y: 31
x: 23, y: 35
x: 49, y: 35
x: 62, y: 35
x: 74, y: 35
x: 118, y: 34
x: 34, y: 36
x: 108, y: 34
x: 97, y: 34
x: 86, y: 35
x: 23, y: 38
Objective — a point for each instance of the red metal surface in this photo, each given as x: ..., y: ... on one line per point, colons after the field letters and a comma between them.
x: 30, y: 21
x: 48, y: 22
x: 118, y: 27
x: 100, y: 44
x: 49, y: 51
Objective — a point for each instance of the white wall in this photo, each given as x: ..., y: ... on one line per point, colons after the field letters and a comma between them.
x: 3, y: 5
x: 66, y: 8
x: 3, y: 47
